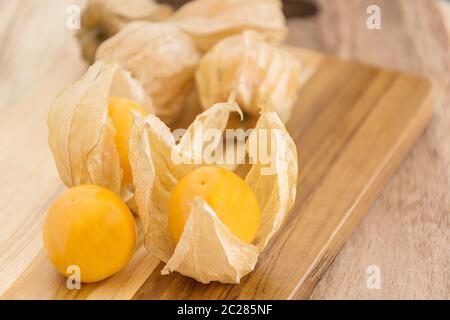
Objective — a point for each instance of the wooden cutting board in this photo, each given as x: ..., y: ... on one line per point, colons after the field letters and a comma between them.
x: 353, y: 124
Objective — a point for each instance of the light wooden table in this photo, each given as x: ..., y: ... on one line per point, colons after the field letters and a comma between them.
x: 407, y: 231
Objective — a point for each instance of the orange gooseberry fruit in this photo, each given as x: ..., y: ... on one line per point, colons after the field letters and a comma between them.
x: 121, y: 113
x: 226, y: 193
x: 91, y: 228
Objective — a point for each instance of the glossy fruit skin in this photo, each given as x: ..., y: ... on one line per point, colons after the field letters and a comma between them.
x: 227, y: 194
x: 90, y: 227
x: 120, y: 110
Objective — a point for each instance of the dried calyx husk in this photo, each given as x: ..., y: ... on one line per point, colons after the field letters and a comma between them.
x: 252, y: 71
x: 209, y: 21
x: 207, y: 250
x: 102, y: 19
x: 81, y: 135
x: 161, y: 57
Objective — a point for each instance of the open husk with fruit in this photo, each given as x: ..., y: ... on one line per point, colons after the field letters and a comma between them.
x: 207, y: 250
x: 82, y: 134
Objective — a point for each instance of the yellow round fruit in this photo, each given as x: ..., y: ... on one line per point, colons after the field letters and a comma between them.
x: 91, y: 228
x: 227, y: 194
x: 121, y: 113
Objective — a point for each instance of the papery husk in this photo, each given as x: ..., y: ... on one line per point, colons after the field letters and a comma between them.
x: 207, y: 250
x: 221, y: 256
x: 101, y: 19
x: 81, y: 135
x: 275, y: 193
x: 161, y: 57
x: 255, y: 72
x: 209, y: 21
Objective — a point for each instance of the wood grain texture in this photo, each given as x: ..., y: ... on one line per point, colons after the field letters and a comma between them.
x: 351, y: 137
x: 406, y: 232
x: 31, y: 65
